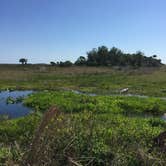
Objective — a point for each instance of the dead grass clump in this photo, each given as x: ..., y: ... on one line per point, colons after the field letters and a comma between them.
x: 32, y: 154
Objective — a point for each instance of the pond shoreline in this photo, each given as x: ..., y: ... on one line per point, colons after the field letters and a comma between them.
x: 12, y: 107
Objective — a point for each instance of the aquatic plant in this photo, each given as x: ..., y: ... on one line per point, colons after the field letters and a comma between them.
x: 95, y: 130
x: 12, y: 100
x: 95, y: 139
x: 70, y: 102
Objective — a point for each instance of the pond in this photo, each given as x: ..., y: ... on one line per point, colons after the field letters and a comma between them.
x: 11, y: 109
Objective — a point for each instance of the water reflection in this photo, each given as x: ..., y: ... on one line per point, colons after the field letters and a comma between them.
x: 13, y: 109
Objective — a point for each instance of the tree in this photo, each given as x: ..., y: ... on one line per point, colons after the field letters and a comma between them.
x: 102, y: 56
x: 115, y: 56
x: 80, y: 61
x: 52, y: 63
x: 65, y: 64
x: 92, y: 57
x: 138, y: 59
x: 68, y: 63
x: 154, y: 56
x: 98, y: 57
x: 23, y: 61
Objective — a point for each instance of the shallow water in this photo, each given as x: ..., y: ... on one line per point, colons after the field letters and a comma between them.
x: 13, y: 110
x: 127, y: 94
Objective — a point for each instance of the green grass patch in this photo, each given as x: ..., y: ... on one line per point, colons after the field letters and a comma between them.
x: 70, y: 102
x: 101, y: 80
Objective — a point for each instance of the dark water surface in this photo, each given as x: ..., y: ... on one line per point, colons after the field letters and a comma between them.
x: 13, y: 110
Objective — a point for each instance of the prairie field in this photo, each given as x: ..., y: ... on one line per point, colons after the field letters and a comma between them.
x: 100, y: 80
x: 90, y: 122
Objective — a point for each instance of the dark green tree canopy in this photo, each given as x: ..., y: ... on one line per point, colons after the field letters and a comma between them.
x: 80, y: 61
x: 23, y: 61
x: 52, y: 63
x: 102, y: 56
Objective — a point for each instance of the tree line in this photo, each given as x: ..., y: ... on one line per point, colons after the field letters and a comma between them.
x: 103, y: 56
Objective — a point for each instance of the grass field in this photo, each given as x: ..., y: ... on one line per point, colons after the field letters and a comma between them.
x: 101, y: 80
x: 85, y: 130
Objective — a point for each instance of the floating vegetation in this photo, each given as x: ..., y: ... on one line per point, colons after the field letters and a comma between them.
x: 12, y: 100
x: 71, y: 102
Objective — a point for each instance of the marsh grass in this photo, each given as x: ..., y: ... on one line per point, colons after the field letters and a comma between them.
x: 95, y: 131
x: 70, y: 102
x: 91, y: 139
x: 84, y: 138
x: 146, y: 81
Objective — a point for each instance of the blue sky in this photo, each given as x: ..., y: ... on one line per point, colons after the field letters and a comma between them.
x: 53, y: 30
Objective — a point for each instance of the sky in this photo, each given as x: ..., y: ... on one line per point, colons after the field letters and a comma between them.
x: 59, y: 30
